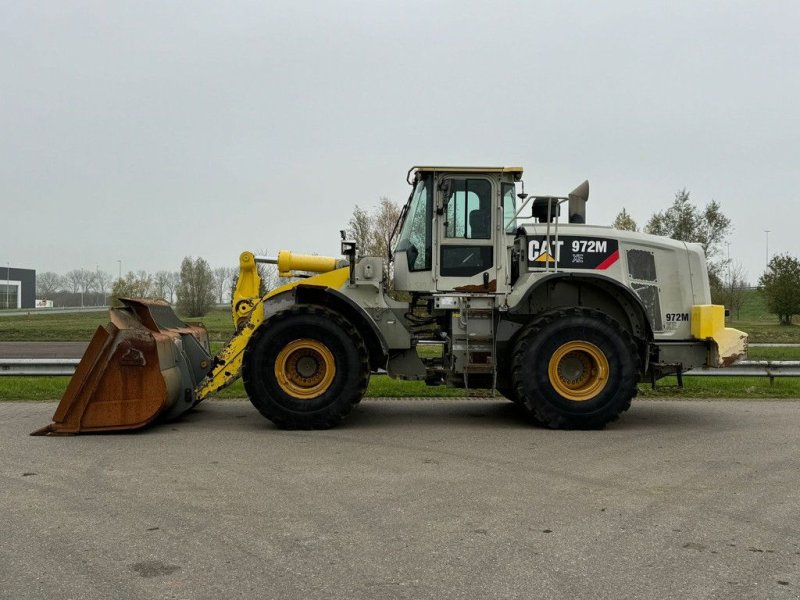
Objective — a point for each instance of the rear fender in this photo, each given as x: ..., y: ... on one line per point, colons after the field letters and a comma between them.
x: 541, y: 295
x: 592, y: 291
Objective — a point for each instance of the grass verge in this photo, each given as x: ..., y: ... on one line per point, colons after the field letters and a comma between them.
x: 79, y: 327
x: 52, y: 388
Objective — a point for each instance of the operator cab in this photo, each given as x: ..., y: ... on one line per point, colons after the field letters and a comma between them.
x: 454, y: 227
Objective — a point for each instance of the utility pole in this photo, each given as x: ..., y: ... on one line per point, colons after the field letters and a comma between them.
x: 120, y: 269
x: 8, y: 285
x: 766, y: 255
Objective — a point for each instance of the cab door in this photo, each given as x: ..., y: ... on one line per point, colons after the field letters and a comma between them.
x: 466, y: 232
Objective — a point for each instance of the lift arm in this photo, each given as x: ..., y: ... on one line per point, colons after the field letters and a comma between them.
x: 247, y: 307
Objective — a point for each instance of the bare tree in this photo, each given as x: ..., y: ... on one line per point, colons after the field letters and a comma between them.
x: 146, y: 281
x: 736, y: 286
x: 86, y: 280
x: 102, y: 282
x: 48, y: 283
x: 161, y: 285
x: 173, y: 281
x: 269, y: 278
x: 359, y: 228
x: 72, y: 281
x: 383, y: 235
x: 223, y: 276
x: 372, y: 231
x: 375, y: 232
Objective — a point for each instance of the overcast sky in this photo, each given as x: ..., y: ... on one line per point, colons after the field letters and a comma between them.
x: 145, y: 131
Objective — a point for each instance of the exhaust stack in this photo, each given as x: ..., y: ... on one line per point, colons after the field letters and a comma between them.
x: 577, y: 203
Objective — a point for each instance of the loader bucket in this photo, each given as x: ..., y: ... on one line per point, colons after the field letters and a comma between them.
x: 140, y: 368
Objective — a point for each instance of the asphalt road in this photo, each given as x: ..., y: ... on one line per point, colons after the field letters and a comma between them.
x: 42, y: 349
x: 410, y: 499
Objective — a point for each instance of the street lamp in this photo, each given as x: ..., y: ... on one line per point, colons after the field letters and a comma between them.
x: 766, y: 254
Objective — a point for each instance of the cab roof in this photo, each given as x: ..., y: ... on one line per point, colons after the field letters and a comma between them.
x: 469, y: 169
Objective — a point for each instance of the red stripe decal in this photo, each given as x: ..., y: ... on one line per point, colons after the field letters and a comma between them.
x: 609, y: 261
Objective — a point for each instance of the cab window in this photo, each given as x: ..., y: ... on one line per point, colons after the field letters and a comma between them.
x: 469, y: 210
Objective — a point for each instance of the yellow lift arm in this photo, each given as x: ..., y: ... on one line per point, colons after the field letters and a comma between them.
x: 246, y: 304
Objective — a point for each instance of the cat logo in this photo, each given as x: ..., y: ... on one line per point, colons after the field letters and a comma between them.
x: 545, y: 257
x: 572, y: 252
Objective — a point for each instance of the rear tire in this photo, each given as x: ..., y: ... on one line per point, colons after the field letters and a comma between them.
x: 305, y: 368
x: 575, y: 369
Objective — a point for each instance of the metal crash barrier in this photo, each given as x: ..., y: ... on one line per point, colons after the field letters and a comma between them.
x: 745, y: 368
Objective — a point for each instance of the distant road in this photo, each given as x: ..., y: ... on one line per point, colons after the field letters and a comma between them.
x: 42, y: 349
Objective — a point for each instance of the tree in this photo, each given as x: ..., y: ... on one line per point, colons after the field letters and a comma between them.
x: 161, y: 285
x: 384, y: 235
x: 102, y: 281
x: 779, y: 284
x: 731, y: 291
x: 133, y: 285
x: 624, y: 221
x: 48, y: 283
x: 79, y: 281
x: 359, y: 228
x: 86, y: 281
x: 223, y: 276
x: 269, y: 278
x: 373, y: 231
x: 72, y: 281
x: 684, y: 221
x: 171, y: 286
x: 196, y: 289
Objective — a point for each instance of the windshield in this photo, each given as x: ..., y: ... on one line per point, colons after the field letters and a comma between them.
x: 415, y: 236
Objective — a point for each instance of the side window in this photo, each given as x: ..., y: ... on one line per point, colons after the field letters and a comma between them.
x: 509, y: 207
x: 469, y: 210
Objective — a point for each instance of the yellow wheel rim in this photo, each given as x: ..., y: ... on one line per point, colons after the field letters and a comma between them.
x: 305, y: 368
x: 578, y: 371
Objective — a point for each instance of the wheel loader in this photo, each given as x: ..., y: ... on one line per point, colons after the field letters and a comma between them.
x: 514, y: 292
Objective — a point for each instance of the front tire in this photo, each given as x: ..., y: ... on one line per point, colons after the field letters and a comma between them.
x: 305, y: 368
x: 509, y: 392
x: 575, y: 369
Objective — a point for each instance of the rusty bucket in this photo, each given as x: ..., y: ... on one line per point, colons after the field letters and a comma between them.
x: 141, y: 368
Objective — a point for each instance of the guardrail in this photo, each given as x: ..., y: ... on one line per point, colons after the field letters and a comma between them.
x: 745, y: 368
x: 38, y: 366
x: 752, y: 368
x: 25, y: 312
